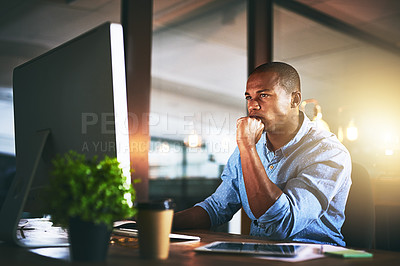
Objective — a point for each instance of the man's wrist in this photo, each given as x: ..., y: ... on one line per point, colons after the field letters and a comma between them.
x: 245, y: 146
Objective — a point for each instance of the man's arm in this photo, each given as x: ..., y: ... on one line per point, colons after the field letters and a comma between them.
x: 218, y: 208
x: 192, y: 218
x: 261, y: 191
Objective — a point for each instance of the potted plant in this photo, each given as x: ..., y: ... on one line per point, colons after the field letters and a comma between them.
x: 86, y: 196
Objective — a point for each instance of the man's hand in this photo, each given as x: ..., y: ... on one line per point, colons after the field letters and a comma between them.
x: 261, y: 191
x: 248, y: 131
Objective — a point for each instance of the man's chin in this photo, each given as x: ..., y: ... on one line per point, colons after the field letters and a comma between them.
x: 270, y: 129
x: 266, y: 127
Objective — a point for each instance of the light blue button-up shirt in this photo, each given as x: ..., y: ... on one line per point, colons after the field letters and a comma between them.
x: 313, y: 171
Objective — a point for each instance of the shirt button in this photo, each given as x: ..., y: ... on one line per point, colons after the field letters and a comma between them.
x: 271, y: 167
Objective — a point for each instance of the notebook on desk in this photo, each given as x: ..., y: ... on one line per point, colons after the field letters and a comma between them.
x: 129, y: 229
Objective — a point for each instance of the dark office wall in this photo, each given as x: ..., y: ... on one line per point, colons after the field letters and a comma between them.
x: 185, y: 192
x: 387, y: 227
x: 7, y: 173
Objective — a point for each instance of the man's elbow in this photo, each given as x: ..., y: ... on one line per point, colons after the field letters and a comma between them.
x: 279, y: 230
x: 192, y: 218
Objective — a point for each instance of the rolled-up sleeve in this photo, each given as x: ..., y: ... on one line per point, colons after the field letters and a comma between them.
x: 307, y: 196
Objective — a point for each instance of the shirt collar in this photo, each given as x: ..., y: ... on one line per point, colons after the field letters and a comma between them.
x: 286, y: 150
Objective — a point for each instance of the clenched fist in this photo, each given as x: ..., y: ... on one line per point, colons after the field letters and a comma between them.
x: 248, y: 130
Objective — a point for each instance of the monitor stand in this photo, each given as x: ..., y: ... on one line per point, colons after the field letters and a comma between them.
x: 14, y: 203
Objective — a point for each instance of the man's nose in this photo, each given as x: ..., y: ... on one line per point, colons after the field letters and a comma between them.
x: 253, y: 105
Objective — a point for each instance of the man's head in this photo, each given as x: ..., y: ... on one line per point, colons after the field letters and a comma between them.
x: 273, y: 95
x: 288, y: 76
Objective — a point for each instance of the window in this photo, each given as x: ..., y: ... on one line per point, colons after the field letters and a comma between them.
x: 355, y: 83
x: 198, y: 79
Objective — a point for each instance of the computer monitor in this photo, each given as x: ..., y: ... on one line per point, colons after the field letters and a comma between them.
x: 70, y: 98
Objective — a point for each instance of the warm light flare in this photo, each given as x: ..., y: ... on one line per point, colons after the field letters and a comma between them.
x: 193, y: 141
x: 352, y: 131
x: 389, y: 152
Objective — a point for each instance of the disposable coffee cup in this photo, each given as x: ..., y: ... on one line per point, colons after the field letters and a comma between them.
x: 154, y: 221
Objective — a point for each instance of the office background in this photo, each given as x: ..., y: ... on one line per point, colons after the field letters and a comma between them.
x: 347, y: 54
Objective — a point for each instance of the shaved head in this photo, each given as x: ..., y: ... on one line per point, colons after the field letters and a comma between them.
x: 288, y: 76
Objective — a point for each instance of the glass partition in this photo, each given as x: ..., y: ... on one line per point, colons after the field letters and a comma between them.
x: 198, y: 80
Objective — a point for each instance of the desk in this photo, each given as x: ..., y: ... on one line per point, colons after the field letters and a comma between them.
x: 183, y: 254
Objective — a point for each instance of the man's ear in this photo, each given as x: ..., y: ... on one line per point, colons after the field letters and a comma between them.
x: 296, y: 99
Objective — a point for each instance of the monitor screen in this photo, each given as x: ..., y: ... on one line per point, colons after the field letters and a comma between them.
x: 70, y: 98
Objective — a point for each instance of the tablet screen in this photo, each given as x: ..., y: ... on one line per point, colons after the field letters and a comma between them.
x: 287, y: 250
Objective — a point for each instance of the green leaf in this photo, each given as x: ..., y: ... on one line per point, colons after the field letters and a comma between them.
x: 89, y: 188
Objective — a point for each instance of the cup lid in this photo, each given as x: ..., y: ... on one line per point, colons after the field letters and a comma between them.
x: 164, y: 204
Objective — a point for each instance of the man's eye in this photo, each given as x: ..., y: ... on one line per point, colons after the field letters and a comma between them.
x: 263, y: 95
x: 247, y: 97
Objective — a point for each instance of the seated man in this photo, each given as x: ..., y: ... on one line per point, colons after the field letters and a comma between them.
x: 291, y: 178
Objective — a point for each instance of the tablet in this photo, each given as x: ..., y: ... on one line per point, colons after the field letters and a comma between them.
x: 247, y: 248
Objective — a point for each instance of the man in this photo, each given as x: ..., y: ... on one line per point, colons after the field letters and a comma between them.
x: 291, y: 178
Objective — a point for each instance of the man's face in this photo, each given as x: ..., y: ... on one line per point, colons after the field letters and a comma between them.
x: 268, y: 101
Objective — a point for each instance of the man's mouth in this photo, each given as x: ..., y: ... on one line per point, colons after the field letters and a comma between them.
x: 254, y: 116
